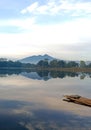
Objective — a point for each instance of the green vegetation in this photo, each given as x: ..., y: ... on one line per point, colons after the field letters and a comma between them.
x: 82, y: 64
x: 4, y: 63
x: 57, y: 64
x: 45, y: 64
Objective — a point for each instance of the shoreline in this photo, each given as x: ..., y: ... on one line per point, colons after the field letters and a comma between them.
x: 73, y: 69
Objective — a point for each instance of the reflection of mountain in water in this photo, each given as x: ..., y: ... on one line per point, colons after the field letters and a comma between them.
x: 42, y: 75
x: 35, y: 75
x: 46, y: 75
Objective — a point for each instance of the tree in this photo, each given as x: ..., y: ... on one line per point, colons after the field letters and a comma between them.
x: 61, y: 63
x: 82, y: 64
x: 89, y: 65
x: 43, y: 63
x: 54, y: 63
x: 72, y: 64
x: 40, y: 63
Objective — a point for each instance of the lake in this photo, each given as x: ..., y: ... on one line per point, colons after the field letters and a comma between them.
x: 34, y: 100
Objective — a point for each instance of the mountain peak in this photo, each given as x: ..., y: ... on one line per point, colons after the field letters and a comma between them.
x: 36, y: 58
x: 46, y: 55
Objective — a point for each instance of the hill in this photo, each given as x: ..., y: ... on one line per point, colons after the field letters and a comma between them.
x: 35, y: 59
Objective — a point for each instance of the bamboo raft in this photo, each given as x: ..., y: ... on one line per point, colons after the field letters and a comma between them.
x: 78, y: 100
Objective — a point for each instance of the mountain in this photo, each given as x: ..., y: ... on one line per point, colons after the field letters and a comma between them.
x: 35, y: 59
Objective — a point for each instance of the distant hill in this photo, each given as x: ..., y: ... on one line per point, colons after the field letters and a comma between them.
x: 35, y: 59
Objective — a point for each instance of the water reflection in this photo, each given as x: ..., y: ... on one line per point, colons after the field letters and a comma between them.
x: 43, y: 75
x: 19, y: 115
x: 27, y: 102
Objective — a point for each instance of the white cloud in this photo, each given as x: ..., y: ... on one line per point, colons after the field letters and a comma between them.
x: 20, y: 23
x: 73, y: 7
x: 60, y: 38
x: 16, y: 45
x: 69, y: 32
x: 30, y: 8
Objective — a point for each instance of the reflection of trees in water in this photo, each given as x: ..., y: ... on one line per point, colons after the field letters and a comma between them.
x: 57, y: 74
x: 72, y: 74
x: 82, y: 76
x: 44, y: 74
x: 62, y: 74
x: 90, y: 75
x: 10, y: 71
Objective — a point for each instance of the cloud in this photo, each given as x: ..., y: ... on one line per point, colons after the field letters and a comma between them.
x: 53, y: 7
x: 25, y: 24
x: 70, y: 32
x: 64, y: 39
x: 60, y: 38
x: 30, y: 8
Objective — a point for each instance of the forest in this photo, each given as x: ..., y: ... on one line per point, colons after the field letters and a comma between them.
x: 4, y: 63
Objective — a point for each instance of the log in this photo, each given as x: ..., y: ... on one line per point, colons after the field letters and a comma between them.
x: 78, y: 100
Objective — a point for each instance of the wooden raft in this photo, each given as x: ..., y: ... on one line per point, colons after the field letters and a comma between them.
x: 78, y: 100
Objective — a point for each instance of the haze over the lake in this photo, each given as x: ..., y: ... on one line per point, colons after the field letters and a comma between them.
x: 61, y: 28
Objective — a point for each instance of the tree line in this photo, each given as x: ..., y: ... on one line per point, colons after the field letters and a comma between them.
x: 44, y: 64
x: 62, y: 64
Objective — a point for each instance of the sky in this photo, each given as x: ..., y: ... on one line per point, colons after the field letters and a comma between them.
x: 60, y: 28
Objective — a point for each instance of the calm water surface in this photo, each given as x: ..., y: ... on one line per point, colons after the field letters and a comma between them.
x: 33, y: 101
